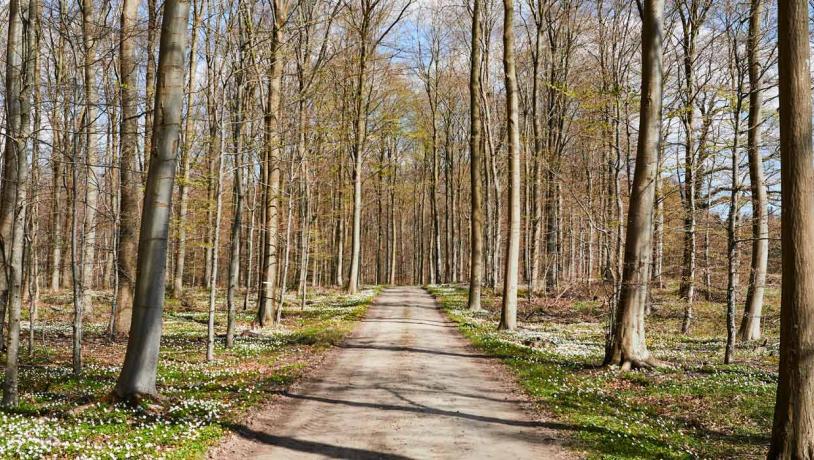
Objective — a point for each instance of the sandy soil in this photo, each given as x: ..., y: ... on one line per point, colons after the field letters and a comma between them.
x: 404, y: 385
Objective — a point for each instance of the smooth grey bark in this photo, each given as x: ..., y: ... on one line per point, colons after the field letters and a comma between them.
x: 475, y: 166
x: 138, y: 376
x: 793, y: 428
x: 508, y: 314
x: 750, y: 325
x: 627, y: 347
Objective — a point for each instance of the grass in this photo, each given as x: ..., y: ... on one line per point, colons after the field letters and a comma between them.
x: 63, y: 415
x: 699, y: 408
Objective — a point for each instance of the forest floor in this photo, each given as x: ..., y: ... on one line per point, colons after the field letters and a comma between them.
x: 404, y: 385
x: 66, y: 416
x: 696, y: 408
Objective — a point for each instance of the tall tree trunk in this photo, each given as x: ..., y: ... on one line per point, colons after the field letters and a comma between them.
x: 750, y: 325
x: 508, y: 314
x: 186, y: 157
x: 213, y: 274
x: 138, y: 375
x: 92, y: 171
x: 13, y: 206
x: 627, y: 346
x: 271, y: 185
x: 359, y: 134
x: 793, y: 430
x: 475, y: 166
x: 733, y: 218
x: 239, y: 192
x: 126, y: 245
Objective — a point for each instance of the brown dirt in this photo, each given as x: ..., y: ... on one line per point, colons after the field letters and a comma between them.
x: 404, y: 385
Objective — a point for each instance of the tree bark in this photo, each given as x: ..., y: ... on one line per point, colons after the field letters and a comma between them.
x: 475, y: 166
x: 128, y: 181
x: 793, y: 430
x: 13, y: 206
x: 271, y: 198
x: 627, y: 346
x: 138, y: 375
x: 750, y: 325
x: 508, y: 315
x: 186, y: 158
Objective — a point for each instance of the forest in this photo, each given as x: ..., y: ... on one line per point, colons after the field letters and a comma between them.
x: 469, y: 228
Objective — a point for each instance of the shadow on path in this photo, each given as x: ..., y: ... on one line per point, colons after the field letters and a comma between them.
x: 418, y: 410
x: 414, y: 350
x: 325, y: 450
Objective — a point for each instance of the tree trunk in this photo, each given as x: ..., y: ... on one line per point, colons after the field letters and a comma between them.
x: 92, y: 171
x: 627, y: 346
x: 138, y: 375
x: 508, y: 315
x: 475, y: 166
x: 213, y: 274
x: 750, y: 325
x: 239, y: 192
x: 359, y: 135
x: 126, y: 245
x: 13, y: 207
x: 271, y: 199
x: 793, y: 430
x: 186, y: 157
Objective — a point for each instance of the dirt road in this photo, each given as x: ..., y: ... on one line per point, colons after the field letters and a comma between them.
x: 404, y: 385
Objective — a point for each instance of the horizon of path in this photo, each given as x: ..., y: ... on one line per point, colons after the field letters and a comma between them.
x: 404, y: 385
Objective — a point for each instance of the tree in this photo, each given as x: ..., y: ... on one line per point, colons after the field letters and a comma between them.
x: 138, y: 374
x: 13, y: 205
x: 793, y: 429
x: 271, y: 166
x: 186, y: 156
x: 627, y: 347
x: 366, y: 24
x: 126, y: 245
x: 475, y: 165
x: 750, y: 325
x: 508, y: 315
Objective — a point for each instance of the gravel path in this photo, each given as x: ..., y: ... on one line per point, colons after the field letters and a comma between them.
x: 404, y: 385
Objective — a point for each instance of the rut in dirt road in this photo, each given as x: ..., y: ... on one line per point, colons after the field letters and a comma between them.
x: 404, y: 385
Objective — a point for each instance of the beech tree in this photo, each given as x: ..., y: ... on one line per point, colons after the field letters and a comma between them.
x: 627, y: 347
x: 475, y: 164
x: 750, y: 325
x: 138, y: 374
x: 508, y: 316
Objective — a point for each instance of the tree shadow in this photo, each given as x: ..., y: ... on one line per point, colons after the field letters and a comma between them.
x: 299, y: 445
x: 415, y: 350
x: 420, y: 409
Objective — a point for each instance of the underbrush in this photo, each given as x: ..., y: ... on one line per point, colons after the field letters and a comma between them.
x: 697, y: 408
x: 63, y: 415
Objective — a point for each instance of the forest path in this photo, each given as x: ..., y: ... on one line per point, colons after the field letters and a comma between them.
x: 405, y: 385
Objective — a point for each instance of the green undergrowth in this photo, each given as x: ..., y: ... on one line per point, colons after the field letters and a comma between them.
x: 65, y: 416
x: 697, y: 408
